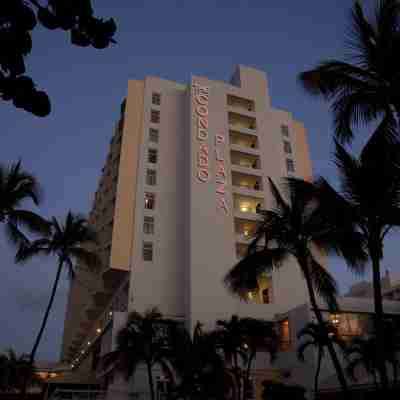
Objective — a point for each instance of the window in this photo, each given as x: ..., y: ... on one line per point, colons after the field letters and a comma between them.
x: 287, y: 147
x: 156, y: 99
x: 149, y: 201
x: 147, y: 251
x: 289, y: 165
x: 155, y: 116
x: 148, y: 225
x: 152, y: 156
x: 153, y: 135
x: 285, y: 130
x: 151, y: 177
x: 284, y: 335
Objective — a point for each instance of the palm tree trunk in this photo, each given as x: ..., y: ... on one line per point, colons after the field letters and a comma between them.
x: 151, y: 382
x: 317, y: 373
x: 378, y: 316
x: 320, y: 319
x: 46, y: 314
x: 247, y: 376
x: 42, y: 327
x: 237, y: 376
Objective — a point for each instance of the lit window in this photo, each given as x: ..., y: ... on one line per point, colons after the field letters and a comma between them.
x: 151, y: 177
x: 153, y: 135
x: 152, y: 156
x: 148, y: 225
x: 147, y: 251
x: 155, y: 116
x: 149, y: 201
x: 156, y: 99
x: 285, y: 130
x: 287, y: 147
x: 289, y: 165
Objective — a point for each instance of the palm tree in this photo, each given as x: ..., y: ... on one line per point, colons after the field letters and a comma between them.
x: 144, y: 339
x: 14, y: 370
x: 16, y: 187
x: 231, y: 340
x: 295, y: 229
x: 317, y: 338
x: 259, y: 335
x: 362, y: 352
x: 369, y: 196
x: 198, y: 364
x: 364, y: 87
x: 66, y: 242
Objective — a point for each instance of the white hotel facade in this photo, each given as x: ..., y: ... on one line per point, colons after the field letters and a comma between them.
x: 176, y: 207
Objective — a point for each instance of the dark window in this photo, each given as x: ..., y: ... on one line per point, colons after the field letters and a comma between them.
x: 155, y: 116
x: 285, y: 130
x: 289, y: 165
x: 151, y: 177
x: 149, y: 201
x: 148, y: 225
x: 152, y: 156
x: 287, y: 147
x: 156, y: 99
x: 153, y: 135
x: 147, y: 251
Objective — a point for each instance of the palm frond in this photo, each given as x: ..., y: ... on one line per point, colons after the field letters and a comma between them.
x: 302, y: 349
x: 14, y: 235
x: 243, y: 277
x: 89, y: 258
x: 325, y: 285
x: 33, y: 222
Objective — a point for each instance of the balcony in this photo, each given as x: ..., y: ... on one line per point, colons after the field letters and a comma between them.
x: 246, y: 163
x: 244, y: 143
x: 247, y: 206
x: 241, y: 105
x: 245, y: 229
x: 247, y: 184
x: 242, y: 123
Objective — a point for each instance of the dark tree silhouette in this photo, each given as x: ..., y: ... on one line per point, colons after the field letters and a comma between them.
x: 66, y: 242
x: 315, y: 337
x: 295, y: 228
x: 365, y: 86
x: 199, y: 366
x: 369, y: 198
x: 145, y: 339
x: 16, y: 187
x: 18, y: 18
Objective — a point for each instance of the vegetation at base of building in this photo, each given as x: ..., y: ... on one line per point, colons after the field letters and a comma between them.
x: 19, y: 18
x: 316, y: 338
x: 278, y: 391
x: 14, y: 370
x: 208, y: 365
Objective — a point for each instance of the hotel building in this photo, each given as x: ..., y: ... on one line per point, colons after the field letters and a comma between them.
x: 176, y: 206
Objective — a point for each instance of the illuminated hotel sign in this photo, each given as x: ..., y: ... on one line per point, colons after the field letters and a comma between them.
x: 201, y: 108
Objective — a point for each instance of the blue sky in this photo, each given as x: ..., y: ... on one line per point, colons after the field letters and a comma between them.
x: 172, y: 39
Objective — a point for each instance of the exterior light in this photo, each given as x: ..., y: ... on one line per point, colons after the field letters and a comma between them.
x: 88, y: 343
x: 110, y: 313
x: 245, y: 345
x: 244, y: 207
x: 98, y: 330
x: 72, y: 365
x: 250, y: 295
x: 246, y: 232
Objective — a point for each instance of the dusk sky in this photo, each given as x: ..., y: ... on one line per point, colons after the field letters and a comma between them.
x: 172, y: 39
